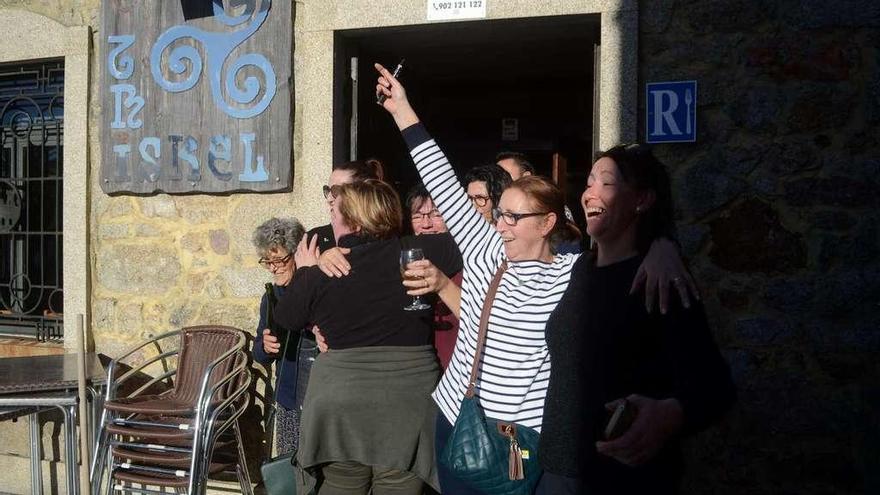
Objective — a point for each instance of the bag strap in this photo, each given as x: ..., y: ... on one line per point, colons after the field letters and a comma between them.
x: 269, y: 308
x: 273, y: 409
x: 484, y: 326
x: 282, y: 357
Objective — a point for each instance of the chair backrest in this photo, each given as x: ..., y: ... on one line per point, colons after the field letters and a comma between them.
x: 199, y: 346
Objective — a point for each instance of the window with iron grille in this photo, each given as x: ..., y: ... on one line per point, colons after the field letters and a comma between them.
x: 31, y: 174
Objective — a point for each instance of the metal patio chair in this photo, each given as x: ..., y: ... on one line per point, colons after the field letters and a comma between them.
x: 143, y: 453
x: 150, y: 438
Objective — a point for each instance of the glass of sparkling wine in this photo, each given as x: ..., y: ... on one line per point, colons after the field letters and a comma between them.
x: 407, y: 256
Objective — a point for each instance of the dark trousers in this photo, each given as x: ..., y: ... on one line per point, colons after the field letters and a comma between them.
x: 554, y: 484
x: 352, y: 478
x: 449, y: 483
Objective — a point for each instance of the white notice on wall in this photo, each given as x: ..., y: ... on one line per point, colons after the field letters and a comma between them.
x: 509, y: 129
x: 444, y: 10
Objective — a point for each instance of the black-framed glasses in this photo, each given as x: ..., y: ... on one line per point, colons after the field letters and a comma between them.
x: 275, y: 262
x: 331, y: 192
x: 432, y: 215
x: 511, y: 218
x: 479, y: 199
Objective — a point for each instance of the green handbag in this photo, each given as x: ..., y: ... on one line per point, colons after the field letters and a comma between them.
x: 279, y: 477
x: 495, y: 457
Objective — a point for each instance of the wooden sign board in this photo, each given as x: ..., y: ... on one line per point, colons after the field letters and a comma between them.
x: 199, y: 105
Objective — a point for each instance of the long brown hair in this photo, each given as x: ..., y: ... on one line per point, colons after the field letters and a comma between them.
x: 545, y: 196
x: 371, y: 205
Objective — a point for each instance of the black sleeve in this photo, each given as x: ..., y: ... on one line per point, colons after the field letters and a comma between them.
x: 326, y: 239
x: 293, y: 310
x: 703, y: 384
x: 440, y: 249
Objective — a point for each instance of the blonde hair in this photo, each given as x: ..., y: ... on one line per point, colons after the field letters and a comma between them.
x: 371, y: 205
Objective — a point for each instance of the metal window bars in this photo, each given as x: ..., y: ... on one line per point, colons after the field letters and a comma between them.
x: 31, y: 199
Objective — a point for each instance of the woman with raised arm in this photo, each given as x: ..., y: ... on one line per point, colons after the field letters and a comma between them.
x: 515, y: 367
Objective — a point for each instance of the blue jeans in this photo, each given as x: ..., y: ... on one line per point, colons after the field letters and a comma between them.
x: 308, y: 351
x: 449, y: 483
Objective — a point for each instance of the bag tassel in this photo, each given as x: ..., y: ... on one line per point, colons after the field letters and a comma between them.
x: 515, y: 465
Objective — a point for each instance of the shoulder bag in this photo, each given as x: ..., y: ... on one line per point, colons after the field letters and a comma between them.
x: 495, y: 457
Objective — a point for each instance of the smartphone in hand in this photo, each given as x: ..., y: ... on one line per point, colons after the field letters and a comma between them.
x: 620, y: 420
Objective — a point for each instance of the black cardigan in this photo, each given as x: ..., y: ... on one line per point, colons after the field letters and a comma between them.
x: 365, y: 308
x: 604, y: 346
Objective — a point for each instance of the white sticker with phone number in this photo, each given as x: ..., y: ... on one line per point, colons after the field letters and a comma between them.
x: 444, y: 10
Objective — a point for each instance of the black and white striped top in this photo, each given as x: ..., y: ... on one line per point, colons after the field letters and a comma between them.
x: 515, y: 369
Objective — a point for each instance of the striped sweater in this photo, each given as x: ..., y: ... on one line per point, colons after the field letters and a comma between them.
x: 515, y: 368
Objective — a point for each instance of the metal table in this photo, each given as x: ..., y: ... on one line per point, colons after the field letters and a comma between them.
x: 32, y: 384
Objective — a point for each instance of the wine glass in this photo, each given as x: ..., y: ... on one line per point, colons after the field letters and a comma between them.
x: 407, y: 256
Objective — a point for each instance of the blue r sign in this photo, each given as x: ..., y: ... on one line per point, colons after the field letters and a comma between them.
x: 671, y: 112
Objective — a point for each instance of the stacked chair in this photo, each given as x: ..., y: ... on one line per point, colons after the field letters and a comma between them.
x: 150, y: 443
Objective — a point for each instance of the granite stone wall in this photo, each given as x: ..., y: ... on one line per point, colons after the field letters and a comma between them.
x: 157, y: 263
x: 778, y: 206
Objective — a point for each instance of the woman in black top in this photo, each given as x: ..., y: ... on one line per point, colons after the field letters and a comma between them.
x: 604, y: 347
x: 366, y: 422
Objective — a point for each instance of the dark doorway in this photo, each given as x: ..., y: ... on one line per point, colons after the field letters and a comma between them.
x: 465, y: 80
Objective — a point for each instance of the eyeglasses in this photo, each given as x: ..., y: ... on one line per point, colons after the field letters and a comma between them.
x: 331, y: 192
x: 431, y: 215
x: 511, y: 218
x: 479, y: 200
x: 276, y: 262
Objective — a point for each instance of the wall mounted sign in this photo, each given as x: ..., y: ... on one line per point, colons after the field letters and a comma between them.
x: 445, y: 10
x: 509, y: 129
x: 196, y: 106
x: 671, y: 112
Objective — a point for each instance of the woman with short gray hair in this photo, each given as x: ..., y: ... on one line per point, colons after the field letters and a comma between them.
x: 276, y: 240
x: 278, y: 233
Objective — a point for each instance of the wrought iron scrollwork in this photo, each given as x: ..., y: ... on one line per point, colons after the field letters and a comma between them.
x: 31, y: 175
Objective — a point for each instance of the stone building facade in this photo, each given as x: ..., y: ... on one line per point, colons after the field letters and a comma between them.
x: 777, y: 201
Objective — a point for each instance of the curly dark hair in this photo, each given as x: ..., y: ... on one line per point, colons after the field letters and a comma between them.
x: 496, y: 178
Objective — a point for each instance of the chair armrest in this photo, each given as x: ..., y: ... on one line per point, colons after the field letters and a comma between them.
x: 112, y: 367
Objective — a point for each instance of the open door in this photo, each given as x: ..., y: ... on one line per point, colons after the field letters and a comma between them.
x: 469, y: 82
